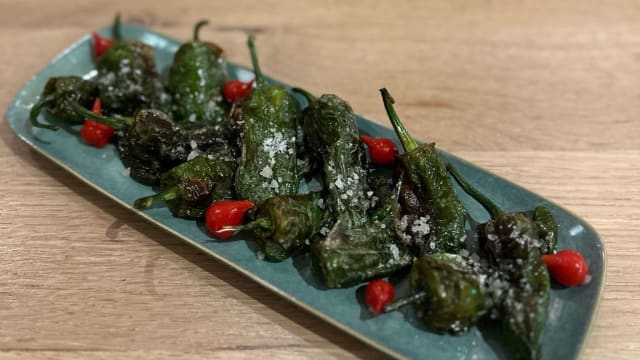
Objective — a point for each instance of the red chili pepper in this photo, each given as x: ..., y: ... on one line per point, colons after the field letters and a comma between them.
x: 378, y: 294
x: 382, y: 151
x: 100, y: 44
x: 568, y: 267
x: 226, y: 213
x: 236, y: 89
x: 95, y: 133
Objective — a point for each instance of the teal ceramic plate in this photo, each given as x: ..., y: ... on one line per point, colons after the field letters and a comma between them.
x: 571, y: 311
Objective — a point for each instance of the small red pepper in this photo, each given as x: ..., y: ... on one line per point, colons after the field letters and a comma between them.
x: 226, y: 213
x: 568, y: 267
x: 378, y: 294
x: 95, y: 133
x: 100, y: 44
x: 382, y: 151
x: 236, y: 89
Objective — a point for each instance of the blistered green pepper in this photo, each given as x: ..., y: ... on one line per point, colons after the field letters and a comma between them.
x: 191, y: 187
x: 332, y: 137
x: 57, y: 97
x: 128, y: 80
x: 348, y: 256
x: 548, y: 229
x: 431, y: 217
x: 196, y: 79
x: 449, y: 292
x: 268, y: 140
x: 153, y: 144
x: 284, y: 225
x: 514, y: 246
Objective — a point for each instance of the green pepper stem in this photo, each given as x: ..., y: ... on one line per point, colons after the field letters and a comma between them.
x: 307, y: 95
x: 254, y: 60
x: 260, y: 223
x: 408, y: 142
x: 37, y: 108
x: 403, y: 301
x: 116, y: 29
x: 491, y: 207
x: 145, y: 202
x: 118, y: 123
x: 196, y: 29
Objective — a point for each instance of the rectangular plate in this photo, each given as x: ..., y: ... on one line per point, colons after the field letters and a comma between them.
x: 571, y: 311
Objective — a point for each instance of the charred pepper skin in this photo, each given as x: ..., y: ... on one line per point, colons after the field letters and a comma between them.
x: 191, y: 187
x: 268, y: 141
x: 285, y: 225
x: 513, y: 243
x: 548, y: 229
x: 57, y: 97
x: 153, y: 144
x: 349, y: 256
x: 128, y: 80
x: 332, y: 137
x: 428, y: 194
x: 514, y: 247
x: 196, y: 79
x: 455, y: 296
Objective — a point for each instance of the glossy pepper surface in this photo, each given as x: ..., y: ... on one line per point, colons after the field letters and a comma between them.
x: 196, y: 79
x: 514, y: 247
x: 267, y: 141
x: 191, y: 187
x: 153, y: 144
x: 58, y: 96
x: 128, y: 80
x: 449, y: 292
x: 284, y: 225
x: 350, y: 255
x: 431, y: 218
x: 332, y: 137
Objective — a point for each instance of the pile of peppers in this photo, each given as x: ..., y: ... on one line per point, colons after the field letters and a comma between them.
x: 234, y: 154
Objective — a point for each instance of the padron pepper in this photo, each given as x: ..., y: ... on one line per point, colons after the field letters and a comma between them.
x: 127, y: 78
x: 191, y: 187
x: 153, y: 144
x: 58, y: 96
x: 196, y: 79
x: 350, y: 255
x: 431, y: 218
x: 332, y: 137
x: 449, y: 292
x: 514, y: 247
x: 286, y: 224
x: 267, y: 140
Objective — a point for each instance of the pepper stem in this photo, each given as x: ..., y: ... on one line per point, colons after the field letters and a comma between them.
x: 116, y: 29
x: 307, y: 95
x: 118, y: 123
x: 261, y: 223
x: 254, y: 60
x: 408, y: 142
x: 403, y: 301
x: 37, y: 108
x: 196, y: 29
x: 491, y: 207
x: 145, y: 202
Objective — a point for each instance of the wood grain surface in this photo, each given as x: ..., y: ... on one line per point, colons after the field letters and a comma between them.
x: 544, y: 93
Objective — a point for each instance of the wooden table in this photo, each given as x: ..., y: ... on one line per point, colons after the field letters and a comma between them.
x: 544, y: 93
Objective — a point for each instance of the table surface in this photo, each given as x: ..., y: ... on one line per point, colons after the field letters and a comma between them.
x: 543, y: 93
